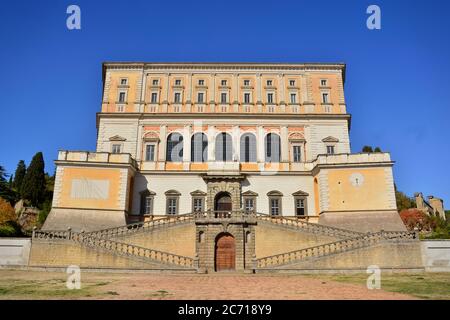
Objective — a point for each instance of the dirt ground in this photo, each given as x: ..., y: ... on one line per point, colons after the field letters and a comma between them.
x: 15, y: 284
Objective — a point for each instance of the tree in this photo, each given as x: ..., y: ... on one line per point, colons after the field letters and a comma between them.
x: 33, y: 186
x: 403, y: 201
x: 19, y: 175
x: 5, y: 191
x: 367, y: 149
x: 377, y: 149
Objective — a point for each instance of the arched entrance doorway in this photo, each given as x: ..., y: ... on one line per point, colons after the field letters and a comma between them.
x: 222, y: 202
x: 225, y: 252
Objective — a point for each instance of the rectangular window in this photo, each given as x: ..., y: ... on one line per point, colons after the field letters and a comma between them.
x: 154, y: 97
x: 249, y: 204
x: 122, y: 96
x: 292, y: 83
x: 201, y: 82
x: 293, y: 98
x: 150, y: 152
x: 223, y: 97
x: 330, y: 149
x: 123, y: 81
x: 325, y: 97
x: 200, y: 97
x: 323, y: 82
x: 155, y: 82
x: 300, y: 207
x: 246, y: 82
x: 246, y: 97
x: 172, y: 206
x: 270, y: 98
x: 115, y: 148
x: 275, y: 206
x: 148, y: 205
x: 296, y: 152
x: 177, y: 98
x: 224, y: 82
x: 177, y: 82
x: 198, y: 204
x: 269, y: 82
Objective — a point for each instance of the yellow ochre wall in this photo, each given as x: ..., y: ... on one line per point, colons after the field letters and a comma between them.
x: 371, y: 195
x: 113, y: 175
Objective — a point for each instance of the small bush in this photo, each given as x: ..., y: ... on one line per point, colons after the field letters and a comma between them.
x: 7, y: 212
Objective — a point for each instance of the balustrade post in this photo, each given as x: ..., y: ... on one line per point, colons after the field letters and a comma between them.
x: 254, y: 263
x: 196, y: 262
x: 69, y: 233
x: 34, y: 232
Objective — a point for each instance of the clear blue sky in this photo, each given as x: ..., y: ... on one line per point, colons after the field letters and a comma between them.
x: 397, y: 86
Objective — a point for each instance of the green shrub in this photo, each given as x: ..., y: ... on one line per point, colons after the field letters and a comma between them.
x: 10, y: 229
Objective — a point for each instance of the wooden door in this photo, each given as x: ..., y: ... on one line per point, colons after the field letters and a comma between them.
x: 225, y: 252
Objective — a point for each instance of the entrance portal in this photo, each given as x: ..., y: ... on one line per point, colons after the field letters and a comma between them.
x: 225, y: 252
x: 222, y: 202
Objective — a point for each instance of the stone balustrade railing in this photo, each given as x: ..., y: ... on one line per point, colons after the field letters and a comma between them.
x: 115, y: 247
x: 141, y: 226
x: 308, y: 226
x: 221, y: 215
x: 333, y: 247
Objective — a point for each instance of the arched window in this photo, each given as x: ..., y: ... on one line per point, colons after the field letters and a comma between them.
x: 224, y: 147
x: 199, y: 147
x: 273, y: 147
x: 248, y: 148
x: 174, y: 147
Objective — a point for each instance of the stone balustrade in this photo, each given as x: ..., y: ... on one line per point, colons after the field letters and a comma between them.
x: 346, y: 158
x: 365, y: 240
x: 96, y: 157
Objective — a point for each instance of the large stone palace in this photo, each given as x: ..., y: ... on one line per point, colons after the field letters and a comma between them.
x: 216, y: 158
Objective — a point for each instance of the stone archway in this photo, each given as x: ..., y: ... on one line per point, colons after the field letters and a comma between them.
x: 225, y: 252
x: 222, y: 202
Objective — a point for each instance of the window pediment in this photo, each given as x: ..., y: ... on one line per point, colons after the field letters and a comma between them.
x: 274, y: 193
x: 297, y: 137
x: 300, y: 193
x: 249, y: 194
x: 147, y: 193
x: 151, y: 136
x: 330, y: 139
x: 117, y: 138
x: 172, y: 193
x: 198, y: 193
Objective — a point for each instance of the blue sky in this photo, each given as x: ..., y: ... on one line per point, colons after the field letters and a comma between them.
x: 397, y: 83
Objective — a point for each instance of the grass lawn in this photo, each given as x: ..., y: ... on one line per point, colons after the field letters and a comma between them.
x: 434, y: 286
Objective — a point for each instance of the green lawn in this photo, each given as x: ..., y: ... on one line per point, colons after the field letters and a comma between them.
x: 434, y: 286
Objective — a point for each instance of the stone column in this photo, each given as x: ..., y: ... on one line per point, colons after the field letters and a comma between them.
x: 186, y: 146
x: 211, y: 143
x: 284, y: 144
x: 189, y: 94
x: 162, y: 146
x: 236, y: 143
x: 236, y: 92
x: 260, y: 144
x: 212, y: 95
x: 258, y: 93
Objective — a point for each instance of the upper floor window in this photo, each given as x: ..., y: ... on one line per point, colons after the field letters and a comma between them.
x: 123, y: 81
x: 174, y: 147
x: 246, y: 97
x: 248, y: 148
x: 224, y: 147
x: 246, y: 82
x: 293, y: 98
x: 269, y: 82
x: 177, y: 98
x: 275, y: 206
x: 223, y: 82
x: 323, y: 82
x: 296, y: 153
x: 177, y: 82
x: 200, y: 96
x: 249, y: 204
x: 223, y: 97
x: 155, y: 82
x: 150, y: 152
x: 273, y: 147
x: 116, y: 148
x: 292, y: 83
x: 330, y: 149
x: 122, y: 96
x: 201, y: 82
x: 270, y: 98
x: 154, y: 97
x: 325, y: 98
x: 197, y: 204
